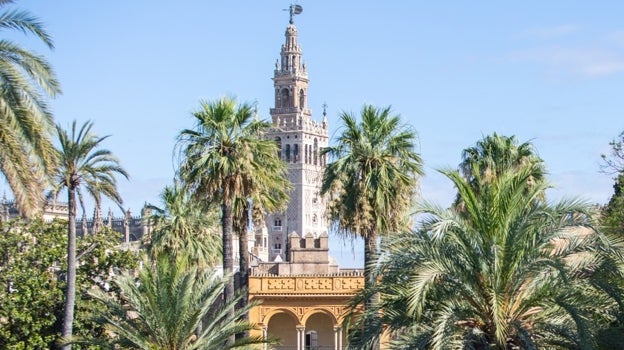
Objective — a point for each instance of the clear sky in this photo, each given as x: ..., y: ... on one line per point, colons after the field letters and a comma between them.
x: 549, y: 72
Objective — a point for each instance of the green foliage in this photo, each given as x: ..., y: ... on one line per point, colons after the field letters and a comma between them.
x: 26, y: 152
x: 371, y: 182
x: 612, y: 222
x: 32, y: 259
x: 613, y: 213
x: 496, y: 154
x: 83, y: 166
x: 227, y: 161
x: 373, y: 174
x: 505, y: 270
x: 100, y: 258
x: 184, y: 226
x: 30, y: 256
x: 225, y: 156
x: 165, y: 305
x: 613, y: 163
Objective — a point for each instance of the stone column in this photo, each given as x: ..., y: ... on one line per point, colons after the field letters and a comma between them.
x: 337, y: 337
x: 265, y: 335
x: 300, y: 337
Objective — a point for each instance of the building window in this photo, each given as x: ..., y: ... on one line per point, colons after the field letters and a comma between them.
x: 288, y: 153
x: 315, y: 155
x: 305, y: 153
x: 277, y: 226
x: 295, y: 153
x: 285, y: 98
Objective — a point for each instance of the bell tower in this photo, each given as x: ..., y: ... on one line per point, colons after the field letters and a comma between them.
x: 300, y: 140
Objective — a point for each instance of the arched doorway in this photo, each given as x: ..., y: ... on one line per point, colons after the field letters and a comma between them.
x: 283, y: 326
x: 319, y: 332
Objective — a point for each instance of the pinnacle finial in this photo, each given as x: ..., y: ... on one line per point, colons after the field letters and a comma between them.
x: 324, y: 115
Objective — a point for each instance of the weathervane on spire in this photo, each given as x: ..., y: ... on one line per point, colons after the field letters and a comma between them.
x: 294, y: 10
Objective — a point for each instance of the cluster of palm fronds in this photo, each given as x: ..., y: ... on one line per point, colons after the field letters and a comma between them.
x: 500, y: 269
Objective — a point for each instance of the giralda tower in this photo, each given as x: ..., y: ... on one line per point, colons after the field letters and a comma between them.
x: 300, y: 140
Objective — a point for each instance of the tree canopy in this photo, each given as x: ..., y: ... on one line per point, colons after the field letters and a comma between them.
x: 26, y: 124
x: 505, y: 270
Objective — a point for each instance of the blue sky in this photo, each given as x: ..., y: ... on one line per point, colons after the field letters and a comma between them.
x: 549, y: 72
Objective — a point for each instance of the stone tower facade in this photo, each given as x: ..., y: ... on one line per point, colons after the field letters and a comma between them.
x: 300, y: 140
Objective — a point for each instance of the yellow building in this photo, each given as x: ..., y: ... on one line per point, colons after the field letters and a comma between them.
x: 303, y: 310
x: 302, y: 291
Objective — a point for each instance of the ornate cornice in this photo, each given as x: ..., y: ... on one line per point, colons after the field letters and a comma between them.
x: 305, y: 285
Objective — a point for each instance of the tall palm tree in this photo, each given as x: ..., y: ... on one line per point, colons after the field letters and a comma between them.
x: 184, y: 226
x: 164, y: 309
x: 84, y: 168
x: 372, y: 178
x: 226, y: 159
x: 507, y: 271
x: 26, y: 124
x: 266, y: 192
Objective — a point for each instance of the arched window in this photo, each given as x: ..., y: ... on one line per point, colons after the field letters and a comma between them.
x: 315, y: 155
x: 295, y: 153
x: 288, y: 153
x: 301, y: 99
x: 278, y: 140
x: 305, y: 153
x: 285, y: 98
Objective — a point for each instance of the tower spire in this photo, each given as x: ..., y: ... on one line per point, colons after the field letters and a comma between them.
x: 290, y: 76
x: 300, y: 140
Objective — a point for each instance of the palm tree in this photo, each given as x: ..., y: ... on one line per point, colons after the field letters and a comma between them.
x: 84, y: 168
x: 372, y: 179
x: 182, y: 227
x: 267, y: 192
x: 507, y: 271
x: 496, y: 154
x: 163, y: 308
x: 26, y: 124
x: 226, y: 159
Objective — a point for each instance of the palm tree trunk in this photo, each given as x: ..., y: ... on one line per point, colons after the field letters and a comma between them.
x: 370, y: 254
x: 243, y: 262
x: 70, y: 292
x: 243, y: 250
x: 227, y: 224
